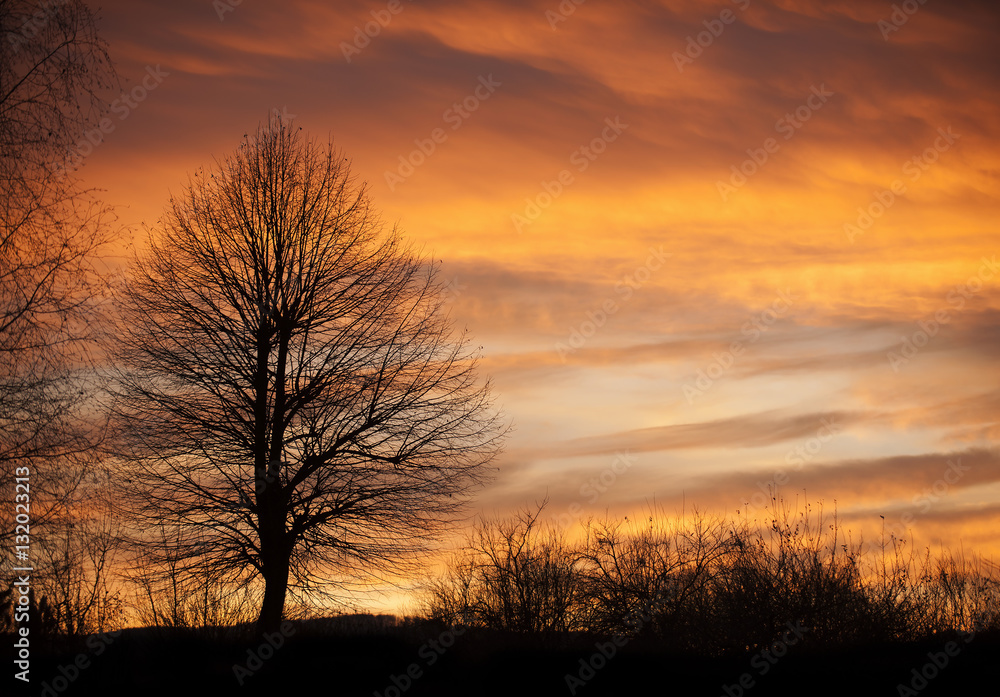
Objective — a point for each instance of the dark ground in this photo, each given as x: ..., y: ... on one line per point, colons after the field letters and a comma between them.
x: 311, y: 661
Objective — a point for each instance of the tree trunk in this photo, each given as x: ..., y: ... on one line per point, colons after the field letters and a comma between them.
x: 275, y: 589
x: 275, y: 550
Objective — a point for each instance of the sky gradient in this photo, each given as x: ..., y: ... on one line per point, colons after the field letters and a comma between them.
x: 706, y: 246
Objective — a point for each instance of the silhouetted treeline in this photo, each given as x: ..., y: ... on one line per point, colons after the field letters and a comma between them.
x: 711, y: 585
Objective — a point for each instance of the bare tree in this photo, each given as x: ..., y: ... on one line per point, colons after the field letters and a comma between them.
x: 167, y: 596
x: 652, y: 565
x: 514, y: 574
x: 53, y: 74
x: 54, y: 77
x: 76, y: 558
x: 303, y: 413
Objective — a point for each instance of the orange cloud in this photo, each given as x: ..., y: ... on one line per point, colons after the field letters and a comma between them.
x: 870, y: 156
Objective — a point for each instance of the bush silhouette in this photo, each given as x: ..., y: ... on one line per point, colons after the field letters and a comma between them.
x: 712, y: 585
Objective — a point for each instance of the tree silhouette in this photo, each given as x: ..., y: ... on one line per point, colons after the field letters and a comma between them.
x: 293, y: 406
x: 54, y: 76
x: 515, y: 573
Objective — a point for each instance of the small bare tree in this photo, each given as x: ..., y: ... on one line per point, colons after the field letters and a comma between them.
x: 514, y: 574
x: 294, y: 405
x: 168, y: 597
x: 76, y: 560
x: 652, y: 565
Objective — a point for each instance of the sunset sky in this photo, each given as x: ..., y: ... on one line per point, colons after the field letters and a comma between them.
x: 704, y: 245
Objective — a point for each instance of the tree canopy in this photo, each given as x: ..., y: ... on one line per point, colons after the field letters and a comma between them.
x: 294, y: 403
